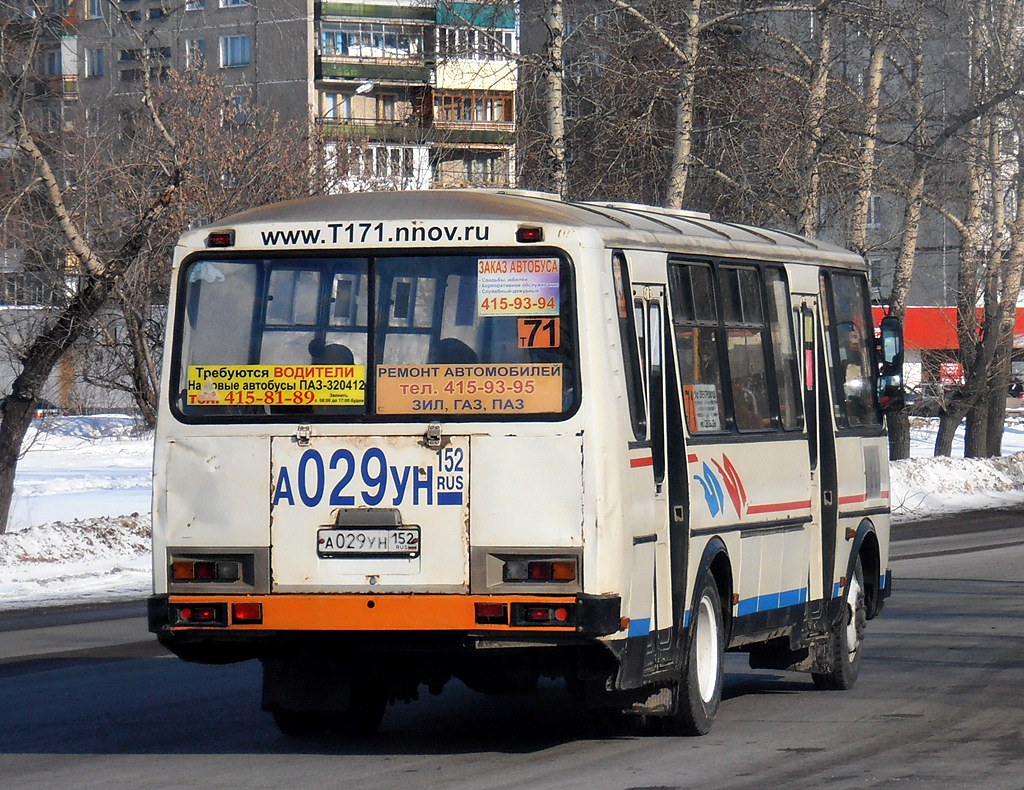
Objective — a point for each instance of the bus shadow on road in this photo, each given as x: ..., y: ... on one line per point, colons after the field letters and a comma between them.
x: 165, y: 706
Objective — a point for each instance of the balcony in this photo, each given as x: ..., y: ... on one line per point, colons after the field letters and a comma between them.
x: 405, y: 130
x: 396, y: 72
x: 458, y: 133
x: 420, y: 13
x: 59, y: 86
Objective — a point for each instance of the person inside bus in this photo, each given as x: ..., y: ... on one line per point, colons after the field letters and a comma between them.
x: 452, y: 351
x: 321, y: 353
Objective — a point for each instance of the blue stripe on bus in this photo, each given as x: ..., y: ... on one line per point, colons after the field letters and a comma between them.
x: 881, y: 582
x: 837, y: 590
x: 766, y: 603
x: 449, y: 498
x: 640, y: 627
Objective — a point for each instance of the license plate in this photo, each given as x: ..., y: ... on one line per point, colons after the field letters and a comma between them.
x: 396, y: 542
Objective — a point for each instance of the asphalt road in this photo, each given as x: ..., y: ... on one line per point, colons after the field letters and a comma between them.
x: 88, y: 700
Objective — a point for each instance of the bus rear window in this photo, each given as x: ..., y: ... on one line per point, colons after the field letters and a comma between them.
x: 459, y: 336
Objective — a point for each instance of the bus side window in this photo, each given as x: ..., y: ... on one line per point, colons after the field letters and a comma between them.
x: 629, y: 338
x: 850, y: 348
x: 784, y: 353
x: 744, y: 341
x: 695, y: 319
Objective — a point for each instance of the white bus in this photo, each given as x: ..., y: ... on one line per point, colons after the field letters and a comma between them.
x: 487, y: 435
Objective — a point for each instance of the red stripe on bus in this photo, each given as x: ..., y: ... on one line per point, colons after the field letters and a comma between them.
x: 853, y: 499
x: 775, y: 507
x: 636, y: 463
x: 691, y: 459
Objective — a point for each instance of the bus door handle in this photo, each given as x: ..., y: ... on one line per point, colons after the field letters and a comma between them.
x: 826, y: 497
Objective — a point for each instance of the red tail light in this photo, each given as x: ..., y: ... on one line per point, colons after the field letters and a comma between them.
x: 247, y: 613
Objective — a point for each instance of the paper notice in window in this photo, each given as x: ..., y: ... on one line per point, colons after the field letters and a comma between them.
x: 701, y: 402
x: 517, y: 286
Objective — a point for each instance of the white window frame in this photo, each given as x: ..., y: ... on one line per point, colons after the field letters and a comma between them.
x: 95, y: 62
x: 228, y: 55
x: 195, y: 53
x: 874, y: 219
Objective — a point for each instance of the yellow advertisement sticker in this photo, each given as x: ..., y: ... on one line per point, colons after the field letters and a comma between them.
x: 276, y: 385
x: 470, y: 389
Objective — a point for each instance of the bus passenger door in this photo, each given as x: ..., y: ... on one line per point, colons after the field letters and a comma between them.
x: 822, y: 451
x: 650, y: 592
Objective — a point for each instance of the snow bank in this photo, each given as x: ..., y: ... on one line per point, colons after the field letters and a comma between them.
x: 923, y: 487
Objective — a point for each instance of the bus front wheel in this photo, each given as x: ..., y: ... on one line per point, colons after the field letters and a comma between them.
x: 700, y: 690
x: 846, y: 640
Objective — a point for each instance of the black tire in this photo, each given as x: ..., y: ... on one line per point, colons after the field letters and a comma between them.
x: 700, y: 692
x: 846, y: 640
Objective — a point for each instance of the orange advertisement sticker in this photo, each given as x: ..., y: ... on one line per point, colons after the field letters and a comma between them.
x: 469, y: 389
x: 276, y: 385
x: 539, y: 333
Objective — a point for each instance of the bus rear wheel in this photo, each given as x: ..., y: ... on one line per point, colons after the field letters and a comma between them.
x: 846, y: 640
x: 700, y: 691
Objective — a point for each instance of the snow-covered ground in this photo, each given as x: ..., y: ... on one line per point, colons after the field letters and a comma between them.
x: 80, y: 524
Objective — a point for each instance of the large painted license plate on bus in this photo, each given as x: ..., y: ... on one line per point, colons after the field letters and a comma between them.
x: 367, y: 542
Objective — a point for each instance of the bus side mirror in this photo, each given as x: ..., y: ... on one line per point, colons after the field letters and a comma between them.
x: 891, y: 388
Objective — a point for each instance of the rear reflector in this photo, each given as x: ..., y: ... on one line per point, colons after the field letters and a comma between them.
x: 199, y: 614
x: 491, y: 613
x: 526, y: 235
x: 543, y: 614
x: 247, y: 613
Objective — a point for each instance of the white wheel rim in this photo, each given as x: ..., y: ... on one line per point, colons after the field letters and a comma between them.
x: 707, y: 652
x: 852, y: 637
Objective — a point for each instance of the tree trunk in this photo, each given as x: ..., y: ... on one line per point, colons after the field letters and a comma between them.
x: 554, y: 107
x: 817, y: 104
x: 867, y: 166
x: 38, y: 361
x: 686, y: 99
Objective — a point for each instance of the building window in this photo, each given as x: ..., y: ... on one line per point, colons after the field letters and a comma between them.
x: 195, y: 5
x: 874, y: 212
x: 473, y: 108
x: 95, y: 60
x: 236, y: 111
x: 234, y: 51
x: 156, y: 13
x: 390, y: 164
x: 336, y: 106
x: 232, y: 3
x: 371, y: 40
x: 475, y: 44
x: 94, y: 9
x: 195, y: 53
x: 53, y: 63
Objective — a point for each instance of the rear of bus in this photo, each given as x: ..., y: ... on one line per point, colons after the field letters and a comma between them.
x: 370, y: 465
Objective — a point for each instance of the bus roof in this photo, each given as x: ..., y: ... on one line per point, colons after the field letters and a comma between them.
x: 627, y: 225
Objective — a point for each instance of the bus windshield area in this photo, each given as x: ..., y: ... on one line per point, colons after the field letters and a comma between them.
x: 463, y: 336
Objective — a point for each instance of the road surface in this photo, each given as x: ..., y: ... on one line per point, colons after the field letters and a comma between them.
x: 87, y: 699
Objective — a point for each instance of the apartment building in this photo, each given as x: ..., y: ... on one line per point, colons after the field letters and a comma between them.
x: 405, y: 94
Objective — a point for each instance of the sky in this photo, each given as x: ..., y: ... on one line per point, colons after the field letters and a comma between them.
x: 80, y: 524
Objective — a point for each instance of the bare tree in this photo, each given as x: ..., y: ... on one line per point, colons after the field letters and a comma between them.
x: 110, y: 205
